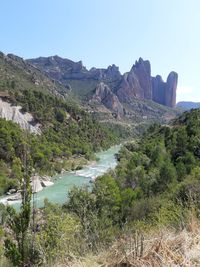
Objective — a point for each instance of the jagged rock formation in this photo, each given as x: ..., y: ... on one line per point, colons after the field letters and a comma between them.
x: 136, y: 84
x: 63, y: 69
x: 170, y: 90
x: 165, y: 93
x: 13, y: 113
x: 158, y: 89
x: 104, y: 95
x: 139, y: 84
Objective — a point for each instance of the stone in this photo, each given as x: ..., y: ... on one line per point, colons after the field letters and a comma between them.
x: 46, y: 183
x: 158, y: 90
x: 36, y: 184
x: 135, y: 84
x: 104, y: 95
x: 13, y: 113
x: 170, y: 91
x: 164, y: 93
x: 142, y: 70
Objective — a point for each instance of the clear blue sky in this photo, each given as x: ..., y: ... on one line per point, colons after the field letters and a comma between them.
x: 102, y: 32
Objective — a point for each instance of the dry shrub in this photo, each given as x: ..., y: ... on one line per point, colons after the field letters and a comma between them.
x: 158, y: 248
x: 164, y: 249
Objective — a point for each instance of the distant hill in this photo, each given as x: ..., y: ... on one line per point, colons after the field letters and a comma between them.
x: 187, y: 105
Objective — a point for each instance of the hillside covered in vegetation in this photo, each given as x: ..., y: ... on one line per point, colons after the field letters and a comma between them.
x: 17, y: 76
x: 66, y: 130
x: 124, y: 219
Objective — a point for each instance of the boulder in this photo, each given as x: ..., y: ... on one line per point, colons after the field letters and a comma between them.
x: 46, y: 183
x: 36, y: 184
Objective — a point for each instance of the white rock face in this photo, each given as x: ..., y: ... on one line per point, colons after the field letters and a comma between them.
x: 46, y: 183
x: 14, y: 114
x: 39, y: 182
x: 36, y: 184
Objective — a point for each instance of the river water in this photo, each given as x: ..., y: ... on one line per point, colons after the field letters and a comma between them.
x: 57, y: 193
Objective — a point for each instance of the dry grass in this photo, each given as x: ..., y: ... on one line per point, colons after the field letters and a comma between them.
x: 165, y: 248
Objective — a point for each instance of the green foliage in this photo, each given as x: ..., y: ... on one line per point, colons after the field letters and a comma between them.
x: 108, y: 197
x: 66, y: 131
x: 18, y: 248
x: 59, y: 236
x: 154, y: 184
x: 96, y: 218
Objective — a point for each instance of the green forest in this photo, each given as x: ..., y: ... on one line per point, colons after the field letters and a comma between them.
x: 67, y: 131
x: 156, y: 184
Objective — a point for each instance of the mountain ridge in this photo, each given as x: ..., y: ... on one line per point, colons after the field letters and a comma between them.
x: 18, y: 78
x: 187, y: 105
x: 135, y: 84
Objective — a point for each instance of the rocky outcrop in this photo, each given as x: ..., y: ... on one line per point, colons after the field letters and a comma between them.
x: 139, y: 84
x: 135, y: 84
x: 105, y: 96
x: 170, y: 91
x: 142, y: 70
x: 63, y: 69
x: 39, y: 182
x: 158, y: 90
x: 13, y: 113
x: 129, y: 88
x: 165, y: 92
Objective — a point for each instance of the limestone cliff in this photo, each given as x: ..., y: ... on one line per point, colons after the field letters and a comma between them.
x: 165, y: 92
x: 170, y: 92
x: 139, y: 84
x: 13, y: 113
x: 105, y: 96
x: 135, y: 84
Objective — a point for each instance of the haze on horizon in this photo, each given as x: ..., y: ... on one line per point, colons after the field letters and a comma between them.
x: 101, y: 33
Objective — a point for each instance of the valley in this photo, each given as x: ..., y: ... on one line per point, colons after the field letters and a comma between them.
x: 60, y: 120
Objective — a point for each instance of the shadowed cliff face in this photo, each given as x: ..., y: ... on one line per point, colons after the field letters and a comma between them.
x: 170, y: 91
x: 139, y: 84
x: 158, y: 89
x: 165, y: 92
x: 104, y: 95
x: 142, y: 69
x: 135, y: 84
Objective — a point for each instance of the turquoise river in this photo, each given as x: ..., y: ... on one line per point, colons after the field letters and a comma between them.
x: 57, y: 193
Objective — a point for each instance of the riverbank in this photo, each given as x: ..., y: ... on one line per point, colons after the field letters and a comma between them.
x: 39, y: 182
x: 63, y: 183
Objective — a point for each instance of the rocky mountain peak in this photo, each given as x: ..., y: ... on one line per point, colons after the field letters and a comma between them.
x: 143, y: 65
x: 104, y: 95
x: 170, y: 93
x: 112, y: 72
x: 135, y: 84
